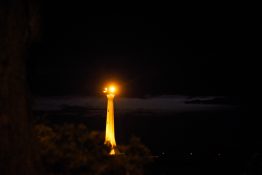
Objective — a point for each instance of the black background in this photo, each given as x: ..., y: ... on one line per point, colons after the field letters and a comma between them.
x: 149, y: 50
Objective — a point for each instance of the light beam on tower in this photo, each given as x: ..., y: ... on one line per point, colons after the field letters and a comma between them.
x: 110, y: 129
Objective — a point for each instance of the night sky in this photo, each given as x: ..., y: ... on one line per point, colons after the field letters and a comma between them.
x: 150, y: 51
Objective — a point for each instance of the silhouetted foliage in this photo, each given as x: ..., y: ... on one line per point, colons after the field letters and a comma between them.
x: 73, y: 149
x: 19, y: 21
x: 254, y: 165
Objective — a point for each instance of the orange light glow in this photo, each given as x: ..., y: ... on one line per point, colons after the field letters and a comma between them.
x: 110, y: 128
x: 110, y: 89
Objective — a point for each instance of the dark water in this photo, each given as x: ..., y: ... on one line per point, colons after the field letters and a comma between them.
x: 207, y: 142
x: 188, y: 143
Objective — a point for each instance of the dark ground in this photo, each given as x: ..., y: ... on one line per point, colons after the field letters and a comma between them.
x: 183, y: 143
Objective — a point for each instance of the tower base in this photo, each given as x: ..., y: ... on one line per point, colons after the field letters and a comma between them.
x: 114, y: 151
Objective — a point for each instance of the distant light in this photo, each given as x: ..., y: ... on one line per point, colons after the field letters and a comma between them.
x: 110, y: 89
x: 191, y: 154
x: 105, y: 90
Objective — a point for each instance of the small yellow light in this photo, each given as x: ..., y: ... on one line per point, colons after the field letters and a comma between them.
x: 112, y: 89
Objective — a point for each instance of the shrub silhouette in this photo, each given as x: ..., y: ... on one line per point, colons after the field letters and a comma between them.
x: 73, y: 149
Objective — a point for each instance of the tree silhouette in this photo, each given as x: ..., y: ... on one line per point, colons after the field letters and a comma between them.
x: 18, y: 21
x: 73, y: 149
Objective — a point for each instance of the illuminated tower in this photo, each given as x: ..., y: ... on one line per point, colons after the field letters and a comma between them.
x: 110, y: 129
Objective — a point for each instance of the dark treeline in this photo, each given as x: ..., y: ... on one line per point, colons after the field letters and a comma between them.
x: 18, y: 29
